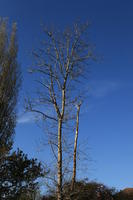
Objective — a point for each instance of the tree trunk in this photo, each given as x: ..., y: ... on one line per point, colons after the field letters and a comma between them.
x: 59, y: 186
x: 75, y: 149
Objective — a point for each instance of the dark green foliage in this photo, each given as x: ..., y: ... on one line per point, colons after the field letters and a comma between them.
x: 9, y: 85
x: 85, y: 191
x: 48, y: 198
x: 89, y: 191
x: 18, y: 176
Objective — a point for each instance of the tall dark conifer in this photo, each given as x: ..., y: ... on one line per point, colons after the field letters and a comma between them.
x: 18, y: 174
x: 9, y: 85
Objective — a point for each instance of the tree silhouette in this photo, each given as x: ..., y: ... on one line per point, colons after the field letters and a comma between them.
x: 18, y: 176
x: 10, y: 80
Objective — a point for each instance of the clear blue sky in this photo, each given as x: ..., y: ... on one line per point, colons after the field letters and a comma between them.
x: 108, y: 120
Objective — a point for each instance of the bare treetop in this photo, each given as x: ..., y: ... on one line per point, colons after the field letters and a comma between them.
x: 62, y: 63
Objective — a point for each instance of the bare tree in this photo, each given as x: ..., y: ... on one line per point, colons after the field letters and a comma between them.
x: 62, y: 64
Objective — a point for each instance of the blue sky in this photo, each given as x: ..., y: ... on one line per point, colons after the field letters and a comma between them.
x: 107, y: 117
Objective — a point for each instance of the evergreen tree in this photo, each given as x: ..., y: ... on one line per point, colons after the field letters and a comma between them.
x: 19, y: 176
x: 9, y: 85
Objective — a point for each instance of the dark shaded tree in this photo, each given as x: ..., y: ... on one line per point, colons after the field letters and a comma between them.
x: 10, y: 80
x: 124, y: 195
x: 85, y: 191
x: 18, y: 176
x: 88, y: 191
x: 48, y: 198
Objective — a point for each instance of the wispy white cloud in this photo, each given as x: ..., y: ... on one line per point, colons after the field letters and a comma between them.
x: 25, y: 118
x: 102, y: 88
x: 98, y: 90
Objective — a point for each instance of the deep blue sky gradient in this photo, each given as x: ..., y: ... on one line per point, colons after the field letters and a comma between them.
x: 107, y: 117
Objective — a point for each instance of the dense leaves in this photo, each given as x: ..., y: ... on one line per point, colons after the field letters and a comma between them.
x: 85, y: 191
x: 89, y: 191
x: 9, y: 85
x: 18, y: 176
